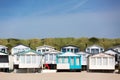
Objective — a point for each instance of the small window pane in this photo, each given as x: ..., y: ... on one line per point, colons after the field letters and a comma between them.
x: 77, y: 61
x: 28, y: 59
x: 22, y: 59
x: 111, y: 61
x: 65, y: 60
x: 33, y: 59
x: 59, y: 60
x: 93, y: 61
x: 51, y: 57
x: 105, y: 61
x: 72, y: 61
x: 99, y: 61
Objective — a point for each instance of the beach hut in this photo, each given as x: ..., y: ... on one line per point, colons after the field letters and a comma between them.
x: 44, y: 48
x: 49, y: 56
x: 16, y: 50
x: 84, y: 56
x: 94, y: 49
x: 4, y: 59
x: 101, y: 62
x: 114, y: 53
x: 70, y: 48
x: 30, y: 61
x: 111, y: 52
x: 68, y: 61
x: 116, y: 48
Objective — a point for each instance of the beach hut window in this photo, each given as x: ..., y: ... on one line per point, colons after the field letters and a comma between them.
x: 59, y: 60
x: 77, y: 61
x: 72, y: 60
x: 93, y: 61
x: 22, y: 59
x: 33, y: 59
x: 99, y: 61
x: 63, y: 50
x: 28, y: 59
x: 51, y: 57
x: 43, y: 50
x: 92, y: 50
x: 68, y: 50
x: 65, y: 60
x: 38, y: 59
x: 111, y: 61
x: 46, y: 57
x: 105, y: 62
x: 54, y: 57
x: 76, y: 50
x: 71, y: 50
x: 39, y: 50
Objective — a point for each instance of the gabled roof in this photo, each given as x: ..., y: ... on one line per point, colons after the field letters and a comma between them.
x: 68, y: 54
x: 1, y: 46
x: 101, y: 54
x: 113, y: 51
x: 30, y: 51
x: 44, y: 46
x: 95, y: 46
x: 20, y: 46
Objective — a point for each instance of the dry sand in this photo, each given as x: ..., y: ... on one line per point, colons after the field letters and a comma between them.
x: 59, y: 76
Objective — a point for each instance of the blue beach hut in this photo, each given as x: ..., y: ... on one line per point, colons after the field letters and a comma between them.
x: 68, y: 61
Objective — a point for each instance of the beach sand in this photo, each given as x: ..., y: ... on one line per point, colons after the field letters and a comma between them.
x: 59, y: 76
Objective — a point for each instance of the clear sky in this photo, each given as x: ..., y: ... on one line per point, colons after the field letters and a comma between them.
x: 59, y: 18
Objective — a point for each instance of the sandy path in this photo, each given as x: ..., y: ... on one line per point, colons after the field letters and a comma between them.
x: 60, y: 76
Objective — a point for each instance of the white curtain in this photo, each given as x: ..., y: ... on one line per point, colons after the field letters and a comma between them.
x: 33, y: 59
x: 105, y: 61
x: 111, y: 61
x: 46, y: 57
x: 72, y: 60
x: 59, y: 60
x: 65, y: 59
x: 28, y: 59
x: 22, y: 59
x: 99, y: 61
x: 51, y: 57
x: 77, y: 61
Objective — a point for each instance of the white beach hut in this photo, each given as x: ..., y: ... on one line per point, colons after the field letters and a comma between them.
x: 49, y: 56
x: 101, y: 62
x: 16, y: 50
x: 30, y: 61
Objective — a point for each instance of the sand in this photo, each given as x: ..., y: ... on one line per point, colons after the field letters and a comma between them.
x: 59, y: 76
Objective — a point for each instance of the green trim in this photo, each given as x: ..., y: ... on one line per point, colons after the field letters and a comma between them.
x: 21, y: 53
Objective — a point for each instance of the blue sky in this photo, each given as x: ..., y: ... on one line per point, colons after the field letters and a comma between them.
x: 59, y: 18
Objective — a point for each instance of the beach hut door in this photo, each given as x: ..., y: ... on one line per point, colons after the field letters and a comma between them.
x: 72, y: 63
